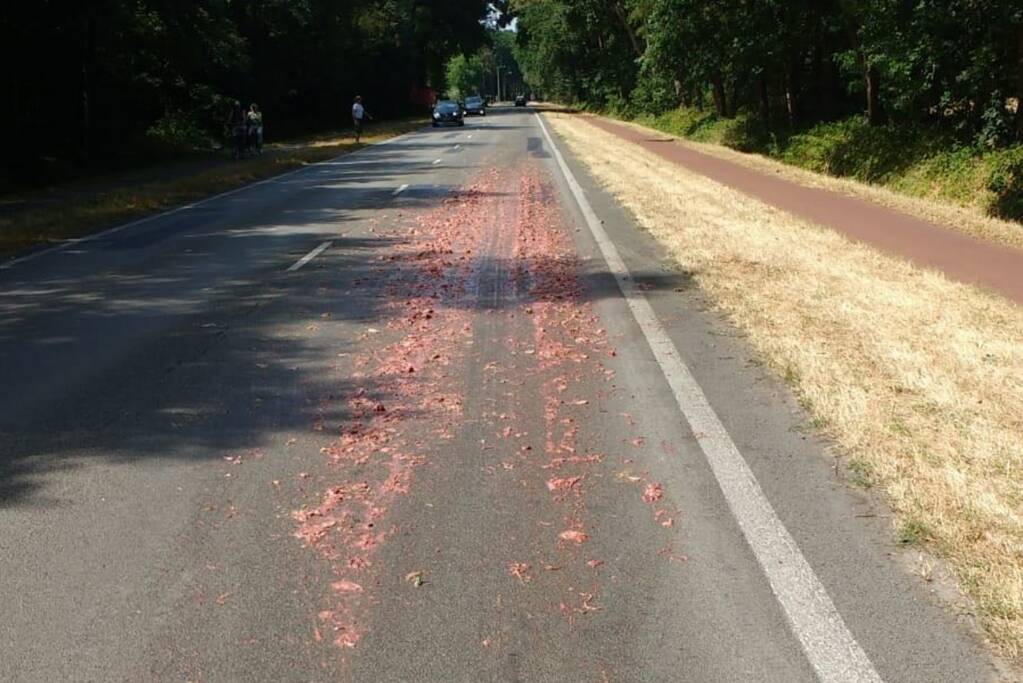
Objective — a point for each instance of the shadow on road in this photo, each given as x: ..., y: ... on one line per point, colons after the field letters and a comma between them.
x: 185, y: 340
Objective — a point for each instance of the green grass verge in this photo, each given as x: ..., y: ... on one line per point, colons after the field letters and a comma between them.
x: 917, y: 162
x: 32, y: 227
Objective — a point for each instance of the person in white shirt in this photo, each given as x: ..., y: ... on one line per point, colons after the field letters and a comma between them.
x: 359, y: 114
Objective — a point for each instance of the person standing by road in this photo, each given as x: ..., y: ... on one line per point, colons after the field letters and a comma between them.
x: 255, y: 120
x: 359, y: 114
x: 237, y: 129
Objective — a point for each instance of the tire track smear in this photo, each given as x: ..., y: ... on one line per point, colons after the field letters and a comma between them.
x: 409, y: 403
x: 498, y: 248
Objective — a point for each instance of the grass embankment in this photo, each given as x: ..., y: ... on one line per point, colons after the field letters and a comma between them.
x: 918, y: 379
x: 986, y: 185
x: 103, y: 208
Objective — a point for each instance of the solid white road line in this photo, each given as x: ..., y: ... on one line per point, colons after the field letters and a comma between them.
x: 829, y: 646
x: 400, y: 190
x: 310, y: 256
x: 110, y: 231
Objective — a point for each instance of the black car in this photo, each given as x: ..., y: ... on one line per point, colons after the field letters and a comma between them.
x: 520, y: 101
x: 447, y: 111
x: 475, y: 106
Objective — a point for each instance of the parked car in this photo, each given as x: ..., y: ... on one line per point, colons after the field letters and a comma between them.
x: 448, y: 112
x: 520, y: 101
x: 475, y: 106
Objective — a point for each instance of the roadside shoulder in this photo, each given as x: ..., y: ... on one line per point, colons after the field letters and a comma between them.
x: 907, y: 372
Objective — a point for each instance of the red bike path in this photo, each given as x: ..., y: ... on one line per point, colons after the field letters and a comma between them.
x: 958, y: 256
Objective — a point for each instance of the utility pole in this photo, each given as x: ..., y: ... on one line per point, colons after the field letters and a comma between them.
x: 499, y: 98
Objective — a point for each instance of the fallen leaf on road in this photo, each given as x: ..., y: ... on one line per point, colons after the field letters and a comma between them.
x: 520, y: 571
x: 586, y: 604
x: 221, y: 599
x: 567, y: 484
x: 415, y: 578
x: 346, y: 586
x: 349, y: 640
x: 653, y: 493
x: 595, y: 563
x: 573, y: 536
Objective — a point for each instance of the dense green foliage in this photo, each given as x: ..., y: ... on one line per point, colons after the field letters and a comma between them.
x: 89, y: 79
x: 481, y: 72
x: 957, y: 64
x: 467, y: 75
x: 920, y: 95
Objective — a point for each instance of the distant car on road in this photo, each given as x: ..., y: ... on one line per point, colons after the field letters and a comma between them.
x: 520, y: 101
x: 448, y: 112
x: 475, y: 106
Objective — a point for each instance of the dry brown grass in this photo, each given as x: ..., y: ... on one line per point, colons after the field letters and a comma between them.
x: 918, y: 379
x: 969, y: 220
x: 116, y: 205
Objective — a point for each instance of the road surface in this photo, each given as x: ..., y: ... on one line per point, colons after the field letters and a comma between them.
x: 391, y: 418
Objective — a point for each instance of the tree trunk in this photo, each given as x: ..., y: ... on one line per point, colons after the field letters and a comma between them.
x: 873, y: 97
x: 828, y: 87
x: 623, y: 19
x: 682, y: 94
x: 791, y: 99
x: 88, y: 40
x: 1019, y: 82
x: 764, y: 97
x: 851, y: 12
x: 718, y: 91
x: 732, y: 100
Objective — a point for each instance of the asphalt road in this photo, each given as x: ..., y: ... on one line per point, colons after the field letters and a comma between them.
x: 442, y: 447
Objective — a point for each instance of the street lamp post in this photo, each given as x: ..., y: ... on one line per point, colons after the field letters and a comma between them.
x: 499, y: 98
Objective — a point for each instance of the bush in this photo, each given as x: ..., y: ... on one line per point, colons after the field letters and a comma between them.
x: 917, y: 161
x: 178, y: 132
x: 1006, y: 184
x: 702, y: 126
x: 853, y: 148
x: 653, y: 93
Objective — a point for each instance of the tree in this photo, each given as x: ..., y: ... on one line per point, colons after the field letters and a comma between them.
x: 89, y: 80
x: 951, y: 63
x: 467, y: 75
